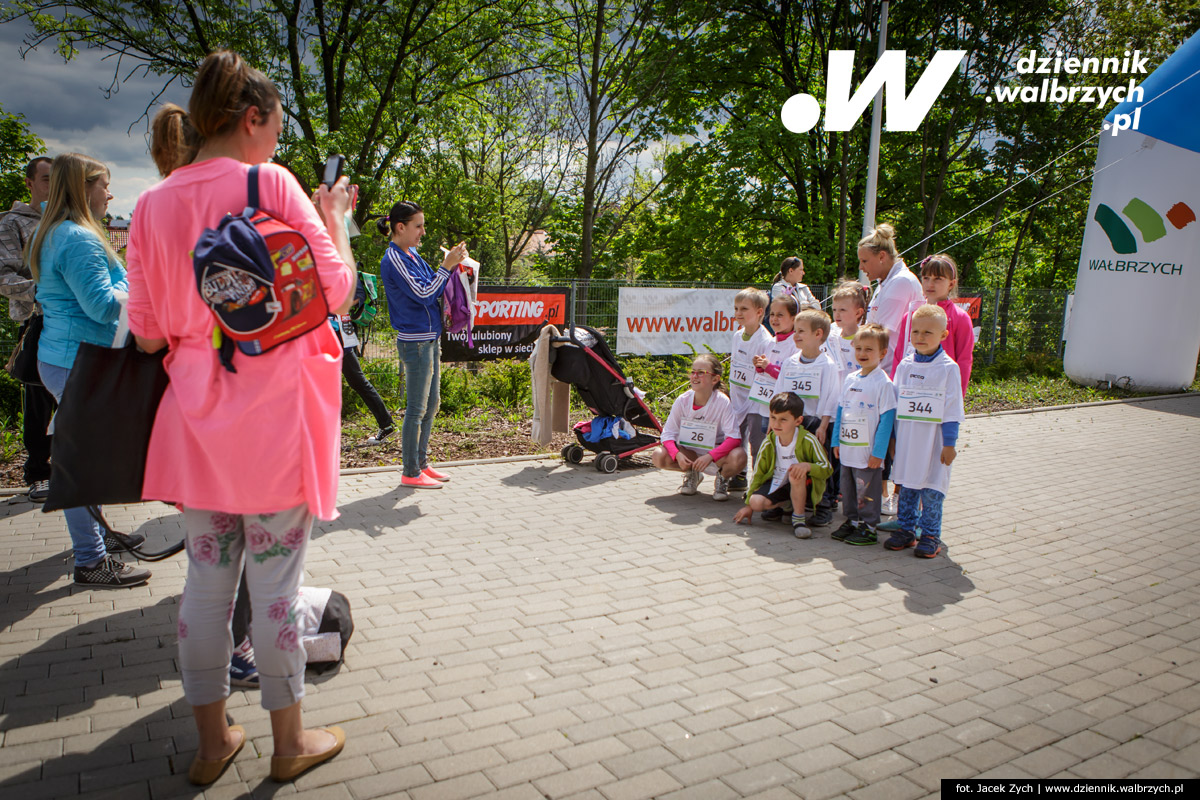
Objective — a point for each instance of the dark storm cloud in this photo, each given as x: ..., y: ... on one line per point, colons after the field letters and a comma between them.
x: 68, y: 105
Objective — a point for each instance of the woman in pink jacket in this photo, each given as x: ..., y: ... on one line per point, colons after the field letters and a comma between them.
x: 251, y: 457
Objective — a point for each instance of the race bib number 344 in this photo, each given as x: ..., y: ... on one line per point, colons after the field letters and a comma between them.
x: 921, y: 404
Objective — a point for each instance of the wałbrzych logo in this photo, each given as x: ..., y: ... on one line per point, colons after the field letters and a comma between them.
x: 1148, y: 222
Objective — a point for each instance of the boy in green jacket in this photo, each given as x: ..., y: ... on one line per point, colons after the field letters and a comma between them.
x: 790, y: 462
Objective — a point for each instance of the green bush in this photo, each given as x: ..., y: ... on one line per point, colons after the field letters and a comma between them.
x: 10, y: 396
x: 1012, y: 364
x: 506, y: 384
x: 459, y: 395
x: 662, y: 378
x: 385, y: 376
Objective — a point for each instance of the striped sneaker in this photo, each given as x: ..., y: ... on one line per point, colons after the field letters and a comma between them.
x: 109, y: 573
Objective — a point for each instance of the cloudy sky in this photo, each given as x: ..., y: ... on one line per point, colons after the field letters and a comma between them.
x: 66, y: 105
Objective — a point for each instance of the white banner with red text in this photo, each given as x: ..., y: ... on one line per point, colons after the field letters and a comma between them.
x: 659, y: 322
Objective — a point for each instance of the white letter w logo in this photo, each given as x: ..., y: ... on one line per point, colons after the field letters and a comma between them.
x: 904, y: 113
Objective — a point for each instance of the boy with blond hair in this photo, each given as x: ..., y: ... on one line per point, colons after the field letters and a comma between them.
x: 812, y: 374
x: 929, y: 411
x: 861, y: 431
x: 750, y: 340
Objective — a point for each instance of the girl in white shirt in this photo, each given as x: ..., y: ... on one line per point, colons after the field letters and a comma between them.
x: 787, y: 281
x: 701, y: 433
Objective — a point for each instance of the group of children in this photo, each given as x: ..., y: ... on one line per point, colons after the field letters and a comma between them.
x: 820, y: 412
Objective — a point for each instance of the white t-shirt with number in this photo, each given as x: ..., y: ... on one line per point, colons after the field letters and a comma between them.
x: 841, y: 350
x: 762, y: 389
x: 785, y: 456
x: 928, y: 395
x: 741, y: 367
x: 863, y: 401
x: 816, y: 381
x: 700, y: 429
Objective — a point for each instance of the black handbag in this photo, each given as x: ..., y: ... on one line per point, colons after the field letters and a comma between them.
x: 22, y: 365
x: 102, y: 429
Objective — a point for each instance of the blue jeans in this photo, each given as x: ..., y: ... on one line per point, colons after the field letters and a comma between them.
x: 929, y: 516
x: 423, y: 395
x: 86, y: 536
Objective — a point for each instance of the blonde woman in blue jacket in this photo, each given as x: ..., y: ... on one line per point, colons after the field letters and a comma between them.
x: 80, y: 284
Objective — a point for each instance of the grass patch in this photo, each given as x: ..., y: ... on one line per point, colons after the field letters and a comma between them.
x: 1035, y: 381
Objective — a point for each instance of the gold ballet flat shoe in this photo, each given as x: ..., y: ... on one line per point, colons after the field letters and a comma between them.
x: 203, y: 771
x: 286, y: 768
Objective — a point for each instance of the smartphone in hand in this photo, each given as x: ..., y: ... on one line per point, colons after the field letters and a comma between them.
x: 333, y: 169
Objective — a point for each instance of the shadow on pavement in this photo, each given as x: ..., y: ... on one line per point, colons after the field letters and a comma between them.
x: 121, y: 655
x: 377, y: 514
x: 929, y: 585
x: 23, y: 588
x: 18, y: 504
x: 1183, y: 406
x: 559, y: 476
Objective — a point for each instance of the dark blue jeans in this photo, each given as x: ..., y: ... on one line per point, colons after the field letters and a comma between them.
x: 86, y: 537
x: 422, y: 387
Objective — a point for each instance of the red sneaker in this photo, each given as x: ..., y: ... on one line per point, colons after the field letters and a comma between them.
x: 435, y: 474
x: 421, y: 481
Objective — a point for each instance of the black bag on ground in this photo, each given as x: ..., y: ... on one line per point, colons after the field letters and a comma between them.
x: 102, y: 429
x: 22, y: 365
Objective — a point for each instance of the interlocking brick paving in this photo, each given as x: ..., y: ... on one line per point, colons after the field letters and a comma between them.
x: 542, y: 630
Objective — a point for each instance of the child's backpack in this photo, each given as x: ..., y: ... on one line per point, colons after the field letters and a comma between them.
x: 258, y: 276
x: 366, y: 299
x: 458, y: 304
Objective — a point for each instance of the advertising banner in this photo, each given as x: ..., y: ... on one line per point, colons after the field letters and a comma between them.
x: 1141, y: 242
x: 662, y: 322
x: 507, y: 322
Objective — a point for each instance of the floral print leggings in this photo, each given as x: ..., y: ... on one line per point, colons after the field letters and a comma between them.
x: 272, y: 547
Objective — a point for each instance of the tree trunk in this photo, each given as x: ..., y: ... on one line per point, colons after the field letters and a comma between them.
x: 1008, y: 279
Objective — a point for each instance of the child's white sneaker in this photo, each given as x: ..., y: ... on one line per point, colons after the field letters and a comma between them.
x: 691, y: 480
x: 890, y: 505
x: 721, y: 489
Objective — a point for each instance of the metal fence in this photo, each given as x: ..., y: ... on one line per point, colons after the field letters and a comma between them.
x: 1032, y: 322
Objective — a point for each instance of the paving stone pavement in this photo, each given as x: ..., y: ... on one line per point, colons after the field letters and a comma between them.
x: 539, y: 630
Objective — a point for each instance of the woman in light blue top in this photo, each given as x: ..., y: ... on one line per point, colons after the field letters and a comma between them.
x: 80, y: 285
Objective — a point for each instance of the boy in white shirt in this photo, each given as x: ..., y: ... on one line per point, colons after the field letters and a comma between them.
x: 861, y: 431
x: 750, y: 341
x: 813, y: 375
x: 929, y: 411
x: 792, y: 467
x: 848, y: 306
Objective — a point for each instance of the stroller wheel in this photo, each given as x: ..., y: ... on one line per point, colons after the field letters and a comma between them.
x: 572, y: 454
x: 606, y: 462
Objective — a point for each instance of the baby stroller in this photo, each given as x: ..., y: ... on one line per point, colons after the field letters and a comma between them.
x: 582, y: 359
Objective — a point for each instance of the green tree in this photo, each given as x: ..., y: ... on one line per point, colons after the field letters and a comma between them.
x: 623, y: 66
x: 18, y: 144
x: 362, y: 77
